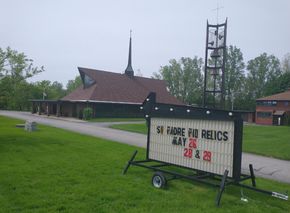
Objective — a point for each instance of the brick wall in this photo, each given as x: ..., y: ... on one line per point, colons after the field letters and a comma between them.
x: 281, y: 106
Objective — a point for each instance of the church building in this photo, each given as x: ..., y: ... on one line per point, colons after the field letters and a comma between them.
x: 109, y: 94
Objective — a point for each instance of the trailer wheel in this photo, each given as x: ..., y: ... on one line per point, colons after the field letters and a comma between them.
x: 159, y: 180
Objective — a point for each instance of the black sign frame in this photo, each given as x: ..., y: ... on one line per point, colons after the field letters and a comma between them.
x: 158, y: 110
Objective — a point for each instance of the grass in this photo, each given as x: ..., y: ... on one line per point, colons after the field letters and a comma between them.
x: 271, y: 141
x: 53, y: 170
x: 137, y: 128
x: 115, y: 119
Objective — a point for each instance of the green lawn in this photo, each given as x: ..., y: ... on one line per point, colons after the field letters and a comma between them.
x: 272, y: 141
x: 52, y: 170
x: 115, y: 119
x: 138, y: 128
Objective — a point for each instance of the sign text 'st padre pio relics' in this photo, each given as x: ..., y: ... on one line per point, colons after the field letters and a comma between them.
x: 205, y: 145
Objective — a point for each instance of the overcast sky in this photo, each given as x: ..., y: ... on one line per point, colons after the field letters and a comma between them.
x: 64, y: 34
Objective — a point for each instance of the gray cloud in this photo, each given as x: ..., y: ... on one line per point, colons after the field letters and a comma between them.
x: 62, y: 35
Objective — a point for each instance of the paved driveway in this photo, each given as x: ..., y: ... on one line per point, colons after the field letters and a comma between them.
x: 264, y: 167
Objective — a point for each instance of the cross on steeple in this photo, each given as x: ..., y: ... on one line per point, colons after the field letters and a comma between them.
x: 129, y: 70
x: 217, y: 12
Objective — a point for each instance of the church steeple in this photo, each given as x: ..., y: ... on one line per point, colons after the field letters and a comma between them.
x: 129, y: 70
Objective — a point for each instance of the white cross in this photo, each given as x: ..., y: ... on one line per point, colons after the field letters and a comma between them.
x: 217, y: 12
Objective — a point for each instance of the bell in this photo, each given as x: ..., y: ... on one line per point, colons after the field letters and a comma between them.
x: 214, y: 72
x: 215, y: 54
x: 211, y: 43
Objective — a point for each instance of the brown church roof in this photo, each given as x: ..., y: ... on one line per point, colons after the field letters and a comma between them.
x: 120, y: 88
x: 283, y: 96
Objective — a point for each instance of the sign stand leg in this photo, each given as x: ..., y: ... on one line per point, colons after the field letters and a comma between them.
x: 129, y: 162
x: 222, y: 187
x: 253, y: 178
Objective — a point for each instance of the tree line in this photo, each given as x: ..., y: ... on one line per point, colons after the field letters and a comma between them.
x: 244, y: 82
x: 16, y: 92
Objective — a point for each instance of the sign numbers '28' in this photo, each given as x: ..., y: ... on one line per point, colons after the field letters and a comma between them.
x: 187, y: 153
x: 192, y: 146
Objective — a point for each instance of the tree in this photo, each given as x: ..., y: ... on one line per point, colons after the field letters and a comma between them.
x: 73, y: 84
x: 262, y: 72
x: 15, y: 68
x: 284, y: 82
x: 23, y: 93
x: 281, y: 84
x: 41, y: 89
x: 234, y: 76
x: 56, y: 90
x: 184, y: 79
x: 16, y: 65
x: 47, y: 90
x: 286, y: 63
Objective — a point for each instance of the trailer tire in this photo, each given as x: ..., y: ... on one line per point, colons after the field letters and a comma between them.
x: 159, y: 180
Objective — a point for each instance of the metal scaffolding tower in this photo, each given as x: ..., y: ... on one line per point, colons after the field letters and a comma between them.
x: 215, y: 58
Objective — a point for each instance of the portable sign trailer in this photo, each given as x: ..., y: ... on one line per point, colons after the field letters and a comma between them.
x: 208, y: 142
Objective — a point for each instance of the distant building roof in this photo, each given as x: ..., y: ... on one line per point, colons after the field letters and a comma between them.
x: 103, y: 86
x: 283, y: 96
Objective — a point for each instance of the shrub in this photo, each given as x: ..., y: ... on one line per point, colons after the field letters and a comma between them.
x: 87, y: 113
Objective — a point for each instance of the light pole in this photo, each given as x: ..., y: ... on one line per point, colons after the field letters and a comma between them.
x: 43, y: 94
x: 232, y: 97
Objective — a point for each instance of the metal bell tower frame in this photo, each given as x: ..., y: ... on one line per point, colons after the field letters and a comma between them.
x: 214, y: 73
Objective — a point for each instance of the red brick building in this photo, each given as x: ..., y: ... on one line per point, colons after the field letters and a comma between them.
x: 274, y: 109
